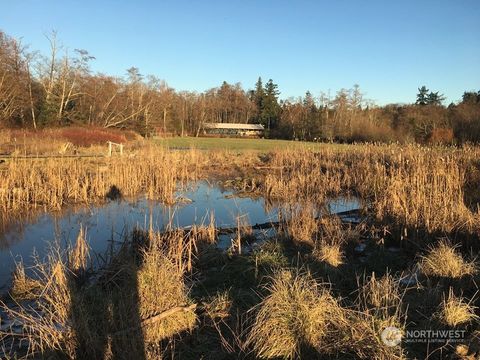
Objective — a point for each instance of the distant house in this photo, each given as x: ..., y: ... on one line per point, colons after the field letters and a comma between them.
x: 233, y: 130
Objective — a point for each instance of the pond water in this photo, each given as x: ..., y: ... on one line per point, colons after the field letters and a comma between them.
x: 113, y: 220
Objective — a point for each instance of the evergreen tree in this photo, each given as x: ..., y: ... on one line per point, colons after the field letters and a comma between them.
x: 434, y: 98
x: 271, y: 108
x: 471, y: 97
x: 311, y: 123
x: 258, y: 96
x: 422, y: 96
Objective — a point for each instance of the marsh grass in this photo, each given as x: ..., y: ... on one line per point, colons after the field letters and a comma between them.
x: 297, y: 312
x: 444, y: 260
x: 140, y: 297
x: 53, y: 184
x: 301, y: 223
x: 454, y: 311
x: 300, y: 315
x: 331, y: 240
x: 251, y: 304
x: 417, y: 187
x: 23, y: 286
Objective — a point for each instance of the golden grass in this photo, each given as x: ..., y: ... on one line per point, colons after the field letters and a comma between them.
x: 78, y: 257
x: 161, y: 287
x: 445, y: 261
x: 381, y: 294
x: 331, y: 239
x: 54, y: 183
x: 456, y: 311
x: 414, y: 186
x: 139, y: 299
x: 302, y: 225
x: 24, y: 287
x: 410, y: 186
x: 298, y: 311
x: 330, y: 254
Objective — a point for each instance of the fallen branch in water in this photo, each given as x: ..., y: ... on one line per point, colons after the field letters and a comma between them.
x: 346, y: 217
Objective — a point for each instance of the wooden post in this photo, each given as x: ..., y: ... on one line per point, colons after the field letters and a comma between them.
x: 110, y: 148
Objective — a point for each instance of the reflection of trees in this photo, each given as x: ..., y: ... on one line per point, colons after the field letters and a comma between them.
x: 12, y: 228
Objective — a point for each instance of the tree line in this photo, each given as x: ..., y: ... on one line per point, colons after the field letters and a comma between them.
x: 60, y: 89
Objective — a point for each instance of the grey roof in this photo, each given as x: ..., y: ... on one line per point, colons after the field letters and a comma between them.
x: 233, y: 126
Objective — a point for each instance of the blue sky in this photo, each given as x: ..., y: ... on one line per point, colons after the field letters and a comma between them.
x: 389, y: 48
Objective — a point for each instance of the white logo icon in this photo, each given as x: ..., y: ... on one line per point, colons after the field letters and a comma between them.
x: 391, y: 336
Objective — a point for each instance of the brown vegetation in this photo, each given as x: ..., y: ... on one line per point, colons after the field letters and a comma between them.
x: 307, y: 292
x: 445, y: 261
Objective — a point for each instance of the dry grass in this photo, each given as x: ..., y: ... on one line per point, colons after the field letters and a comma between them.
x: 456, y: 311
x: 415, y: 186
x: 331, y: 254
x: 139, y: 299
x: 124, y: 305
x: 24, y: 287
x: 301, y: 314
x: 380, y: 294
x: 54, y: 184
x: 445, y: 261
x: 218, y: 307
x: 297, y: 312
x: 331, y: 239
x: 160, y: 288
x: 302, y: 224
x: 379, y: 305
x: 78, y: 257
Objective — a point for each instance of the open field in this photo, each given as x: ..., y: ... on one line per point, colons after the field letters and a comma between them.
x: 319, y: 286
x: 236, y: 144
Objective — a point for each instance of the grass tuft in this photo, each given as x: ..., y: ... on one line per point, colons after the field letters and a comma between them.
x: 297, y: 312
x: 456, y: 311
x: 444, y: 260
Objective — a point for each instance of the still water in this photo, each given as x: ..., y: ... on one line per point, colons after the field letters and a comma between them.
x: 113, y: 220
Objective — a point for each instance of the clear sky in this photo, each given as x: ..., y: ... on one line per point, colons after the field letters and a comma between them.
x: 389, y: 48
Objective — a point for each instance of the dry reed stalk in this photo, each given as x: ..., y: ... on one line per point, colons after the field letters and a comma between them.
x: 382, y: 294
x: 77, y: 318
x: 302, y: 224
x: 161, y: 287
x: 331, y: 238
x: 415, y: 186
x: 78, y: 256
x: 53, y: 184
x: 24, y: 287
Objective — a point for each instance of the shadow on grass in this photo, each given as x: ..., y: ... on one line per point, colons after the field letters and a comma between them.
x: 106, y: 316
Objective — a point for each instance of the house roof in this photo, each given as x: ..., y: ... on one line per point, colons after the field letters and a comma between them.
x: 233, y: 126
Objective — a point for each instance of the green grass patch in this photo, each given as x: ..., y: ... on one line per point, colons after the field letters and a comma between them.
x: 207, y: 143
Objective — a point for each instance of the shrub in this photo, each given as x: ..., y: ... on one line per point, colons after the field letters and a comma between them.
x: 441, y: 136
x: 91, y: 136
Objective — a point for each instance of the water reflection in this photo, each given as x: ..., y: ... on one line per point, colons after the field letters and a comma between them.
x: 111, y: 221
